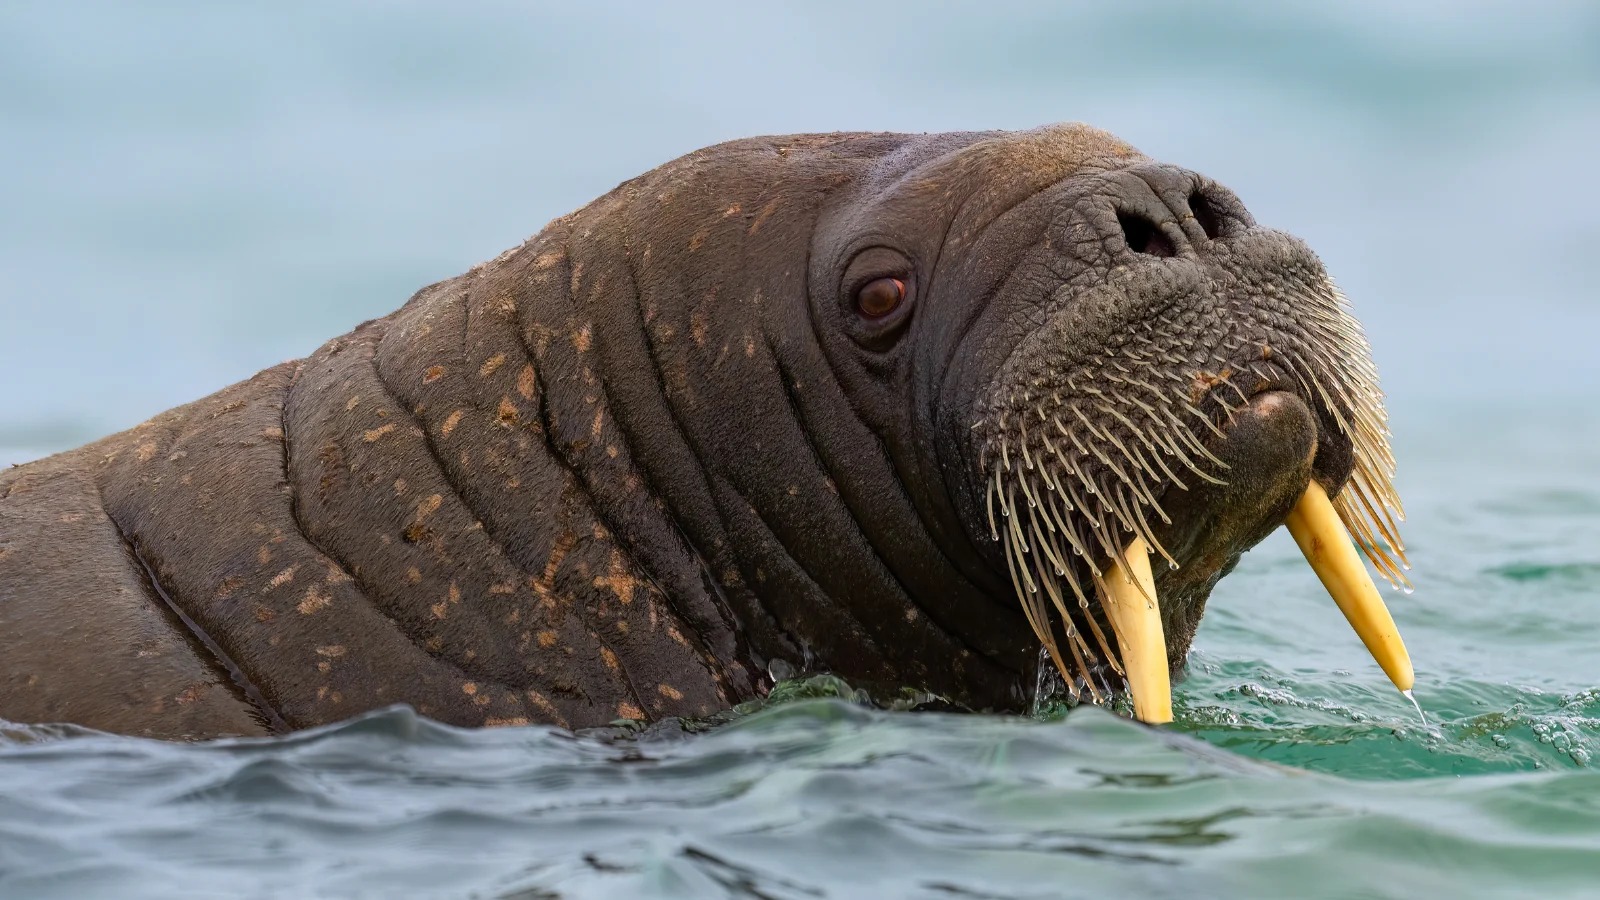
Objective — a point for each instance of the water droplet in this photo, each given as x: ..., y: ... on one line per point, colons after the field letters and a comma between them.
x: 1580, y: 756
x: 1412, y: 697
x: 1500, y: 740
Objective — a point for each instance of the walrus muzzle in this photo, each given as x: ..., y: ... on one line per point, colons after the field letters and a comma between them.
x: 1222, y: 393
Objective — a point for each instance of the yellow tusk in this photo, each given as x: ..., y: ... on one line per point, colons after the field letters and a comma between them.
x: 1327, y: 547
x: 1130, y: 604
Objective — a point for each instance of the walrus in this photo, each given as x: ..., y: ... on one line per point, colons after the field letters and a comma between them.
x: 932, y: 410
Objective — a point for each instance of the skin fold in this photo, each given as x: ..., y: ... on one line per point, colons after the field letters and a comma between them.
x: 625, y: 467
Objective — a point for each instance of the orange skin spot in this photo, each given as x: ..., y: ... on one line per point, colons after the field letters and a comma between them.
x: 491, y: 364
x: 450, y: 423
x: 626, y: 710
x: 670, y: 692
x: 429, y: 506
x: 316, y: 599
x: 434, y: 373
x: 546, y: 707
x: 375, y: 433
x: 764, y: 215
x: 507, y: 413
x: 526, y: 382
x: 582, y: 339
x: 544, y: 585
x: 619, y: 580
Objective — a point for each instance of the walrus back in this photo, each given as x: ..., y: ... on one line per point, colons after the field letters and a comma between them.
x: 86, y: 635
x: 322, y: 539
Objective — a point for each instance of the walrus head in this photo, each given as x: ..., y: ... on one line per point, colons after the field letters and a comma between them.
x: 933, y: 376
x: 1157, y: 374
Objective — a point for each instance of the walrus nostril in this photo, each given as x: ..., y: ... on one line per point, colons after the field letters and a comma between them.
x: 1205, y: 213
x: 1143, y: 236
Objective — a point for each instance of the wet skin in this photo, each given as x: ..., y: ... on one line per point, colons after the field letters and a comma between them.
x: 747, y: 407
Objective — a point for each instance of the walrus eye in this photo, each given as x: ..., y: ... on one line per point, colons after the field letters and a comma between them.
x: 879, y: 297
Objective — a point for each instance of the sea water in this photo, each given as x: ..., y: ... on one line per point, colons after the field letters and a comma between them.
x: 196, y: 191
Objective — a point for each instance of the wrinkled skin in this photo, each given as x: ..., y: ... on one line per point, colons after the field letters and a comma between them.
x: 625, y: 467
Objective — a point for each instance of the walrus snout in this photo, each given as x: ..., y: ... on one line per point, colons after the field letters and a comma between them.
x: 1183, y: 385
x: 1164, y: 211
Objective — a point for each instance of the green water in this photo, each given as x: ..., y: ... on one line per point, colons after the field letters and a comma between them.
x: 190, y: 192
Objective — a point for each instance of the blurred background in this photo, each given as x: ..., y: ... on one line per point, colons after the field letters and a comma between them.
x: 190, y: 192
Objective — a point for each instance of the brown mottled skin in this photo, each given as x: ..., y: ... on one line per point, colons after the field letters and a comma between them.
x: 620, y: 469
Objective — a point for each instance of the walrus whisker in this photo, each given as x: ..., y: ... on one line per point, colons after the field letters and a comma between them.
x: 1376, y: 516
x: 1079, y: 545
x: 1026, y: 458
x: 1154, y: 503
x: 1044, y: 547
x: 1185, y: 438
x: 1034, y: 613
x: 1074, y: 639
x: 1022, y: 482
x: 1069, y: 435
x: 988, y: 499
